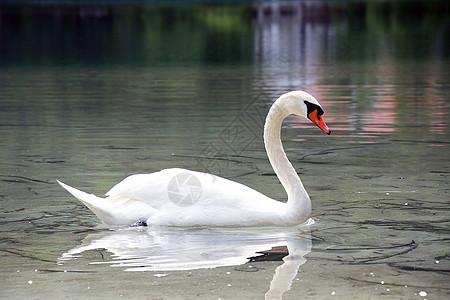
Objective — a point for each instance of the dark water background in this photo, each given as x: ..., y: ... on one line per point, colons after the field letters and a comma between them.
x: 90, y: 94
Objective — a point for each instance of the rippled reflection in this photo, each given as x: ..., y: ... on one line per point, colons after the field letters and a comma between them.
x: 146, y: 249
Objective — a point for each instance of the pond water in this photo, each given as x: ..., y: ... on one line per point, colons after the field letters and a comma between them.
x: 90, y: 95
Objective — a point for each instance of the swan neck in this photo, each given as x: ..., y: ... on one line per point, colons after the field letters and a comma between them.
x: 298, y: 199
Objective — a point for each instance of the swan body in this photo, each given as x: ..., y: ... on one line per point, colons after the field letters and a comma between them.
x: 180, y: 197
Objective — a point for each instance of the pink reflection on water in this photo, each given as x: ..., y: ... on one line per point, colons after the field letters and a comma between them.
x: 377, y: 111
x: 382, y: 119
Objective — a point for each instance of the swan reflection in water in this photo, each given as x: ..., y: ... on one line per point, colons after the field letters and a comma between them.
x: 175, y: 249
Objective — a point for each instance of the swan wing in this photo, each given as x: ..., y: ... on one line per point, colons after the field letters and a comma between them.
x: 185, y: 188
x: 183, y: 197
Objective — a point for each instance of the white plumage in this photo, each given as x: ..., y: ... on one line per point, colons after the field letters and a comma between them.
x: 180, y: 197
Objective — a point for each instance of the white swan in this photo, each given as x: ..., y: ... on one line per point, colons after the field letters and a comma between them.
x: 179, y: 197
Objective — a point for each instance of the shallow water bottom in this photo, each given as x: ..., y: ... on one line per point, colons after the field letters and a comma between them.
x: 389, y: 271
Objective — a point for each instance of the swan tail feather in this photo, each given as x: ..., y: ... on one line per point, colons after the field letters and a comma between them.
x: 118, y: 210
x: 87, y: 199
x: 92, y: 202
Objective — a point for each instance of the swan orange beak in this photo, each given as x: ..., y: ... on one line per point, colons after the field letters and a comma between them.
x: 317, y: 119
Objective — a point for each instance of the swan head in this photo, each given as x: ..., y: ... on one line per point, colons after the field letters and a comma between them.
x: 303, y: 104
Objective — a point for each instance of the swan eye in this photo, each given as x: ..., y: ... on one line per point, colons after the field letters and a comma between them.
x: 312, y: 107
